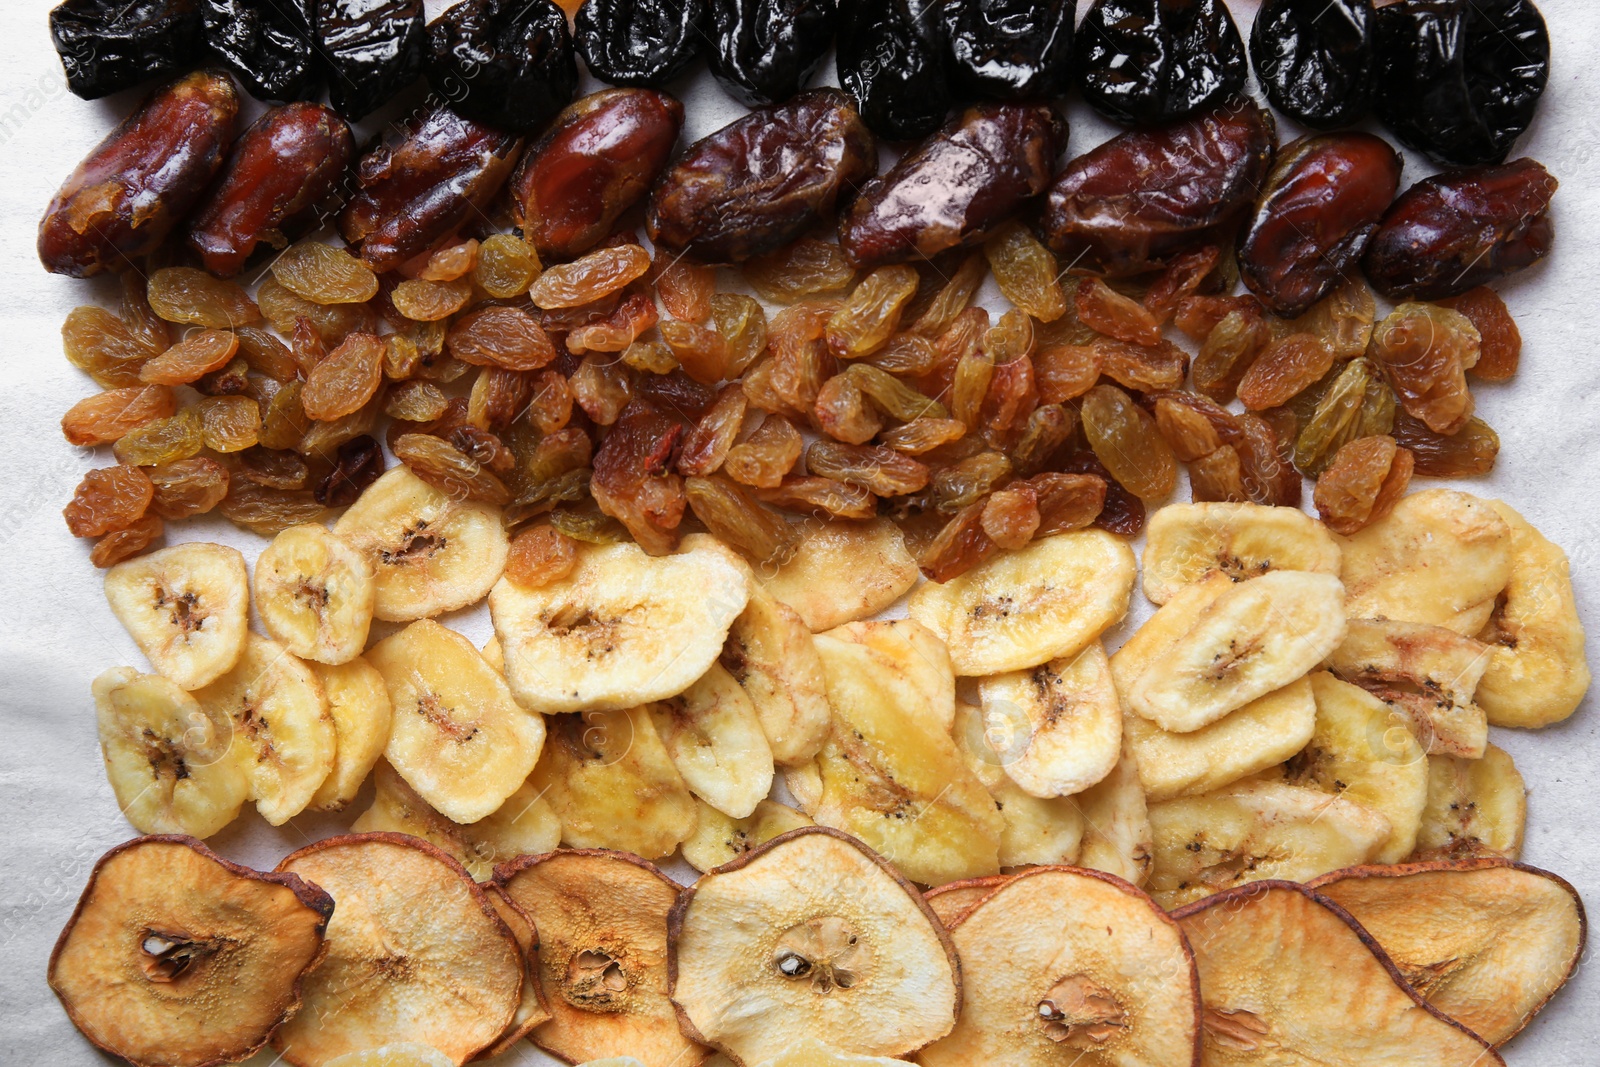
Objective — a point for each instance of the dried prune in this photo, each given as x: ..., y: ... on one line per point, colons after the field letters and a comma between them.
x: 281, y: 169
x: 1143, y: 62
x: 1141, y: 198
x: 438, y: 172
x: 760, y: 182
x: 373, y: 49
x: 1461, y: 229
x: 1320, y: 205
x: 1011, y: 49
x: 891, y: 58
x: 1501, y: 349
x: 505, y: 62
x: 1363, y: 483
x: 357, y: 465
x: 1315, y: 58
x: 764, y: 51
x: 1424, y: 351
x: 108, y: 499
x: 639, y: 42
x: 110, y: 45
x: 1124, y: 438
x: 881, y: 471
x: 267, y: 44
x: 139, y: 182
x: 957, y: 186
x: 633, y: 481
x: 1459, y: 80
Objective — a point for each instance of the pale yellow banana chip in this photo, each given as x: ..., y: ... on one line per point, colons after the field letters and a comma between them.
x: 359, y: 703
x: 719, y: 839
x: 1185, y: 542
x: 770, y: 654
x: 843, y: 571
x: 1475, y: 808
x: 1116, y: 822
x: 715, y: 740
x: 315, y: 594
x: 912, y: 653
x: 1036, y: 831
x: 187, y: 608
x: 1428, y: 672
x: 1057, y: 728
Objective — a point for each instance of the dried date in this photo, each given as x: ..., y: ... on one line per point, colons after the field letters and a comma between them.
x: 508, y: 63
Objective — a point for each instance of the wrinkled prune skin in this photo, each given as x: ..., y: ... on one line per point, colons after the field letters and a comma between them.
x: 440, y: 172
x: 1462, y: 229
x: 267, y: 44
x: 764, y: 51
x: 762, y: 181
x: 891, y: 58
x: 1011, y: 49
x: 110, y: 45
x: 1459, y: 80
x: 141, y: 181
x: 289, y: 160
x: 1142, y: 197
x: 1314, y: 58
x: 505, y: 62
x: 643, y: 43
x: 1145, y: 62
x: 1321, y: 203
x: 598, y: 160
x: 373, y: 49
x: 954, y: 188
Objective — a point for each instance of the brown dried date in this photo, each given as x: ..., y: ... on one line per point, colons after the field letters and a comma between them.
x: 633, y: 482
x: 598, y: 159
x: 1134, y: 202
x: 1321, y: 203
x: 417, y: 189
x: 956, y: 187
x: 140, y: 181
x: 283, y: 166
x: 762, y: 181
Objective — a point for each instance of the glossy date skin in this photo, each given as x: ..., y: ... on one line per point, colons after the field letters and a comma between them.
x: 1462, y: 229
x: 289, y: 160
x: 891, y: 58
x: 509, y: 63
x: 762, y: 181
x: 598, y: 160
x: 110, y: 45
x: 1011, y: 49
x: 441, y: 172
x: 1143, y: 197
x: 373, y: 48
x: 954, y: 188
x: 141, y: 181
x: 1315, y: 58
x: 643, y: 43
x: 764, y: 51
x: 266, y: 44
x: 1145, y: 62
x: 1322, y: 202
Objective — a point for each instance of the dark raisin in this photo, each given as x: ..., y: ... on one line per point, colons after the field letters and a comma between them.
x: 1143, y: 62
x: 1011, y: 49
x: 764, y: 51
x: 110, y: 45
x: 373, y: 48
x: 1314, y: 58
x: 644, y: 43
x: 356, y: 465
x: 891, y: 57
x: 266, y: 43
x: 505, y: 62
x: 633, y: 481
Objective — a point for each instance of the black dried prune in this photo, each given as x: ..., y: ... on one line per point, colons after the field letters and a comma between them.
x: 762, y: 181
x: 891, y: 58
x: 1143, y: 62
x: 954, y: 188
x: 373, y: 48
x: 110, y: 45
x: 1011, y: 49
x: 1462, y: 229
x: 266, y: 43
x: 644, y: 43
x: 1314, y: 58
x: 1321, y: 203
x: 764, y: 51
x: 1134, y: 202
x: 505, y: 62
x: 1459, y: 80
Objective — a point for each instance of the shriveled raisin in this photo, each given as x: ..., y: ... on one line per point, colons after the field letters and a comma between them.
x: 871, y: 313
x: 322, y: 439
x: 1283, y: 370
x: 346, y: 380
x: 1501, y: 342
x: 229, y: 423
x: 195, y: 298
x: 540, y: 555
x: 1067, y: 502
x: 958, y: 547
x: 99, y: 344
x: 500, y: 336
x: 266, y: 354
x: 632, y: 481
x: 1102, y: 308
x: 896, y: 398
x: 706, y: 446
x: 451, y: 262
x: 484, y: 446
x: 1363, y: 483
x: 1146, y: 368
x: 323, y: 274
x: 844, y: 413
x: 908, y: 354
x: 1218, y: 476
x: 104, y: 417
x: 737, y: 518
x: 107, y: 499
x: 1424, y: 351
x: 650, y: 357
x: 742, y: 324
x: 1470, y: 450
x: 127, y: 542
x: 1121, y: 511
x: 191, y: 358
x: 145, y: 328
x: 1229, y: 351
x: 162, y: 440
x: 701, y: 352
x: 1047, y: 429
x: 449, y: 470
x: 187, y: 487
x: 283, y: 420
x: 1269, y: 473
x: 1343, y: 319
x: 1197, y: 316
x: 1011, y: 516
x: 356, y: 465
x: 587, y: 279
x: 618, y: 330
x: 506, y: 266
x: 881, y: 471
x: 271, y: 468
x: 922, y: 435
x: 233, y: 379
x: 332, y: 321
x: 427, y: 301
x: 952, y: 298
x: 1124, y: 438
x: 266, y: 511
x: 823, y: 498
x: 969, y: 481
x: 803, y: 269
x: 763, y: 458
x: 969, y: 386
x: 1357, y: 404
x: 498, y: 397
x: 550, y: 406
x: 685, y: 287
x: 1012, y: 397
x: 797, y: 374
x: 1065, y: 372
x: 601, y: 386
x: 1190, y: 434
x: 1025, y: 271
x: 1180, y: 279
x: 1012, y: 338
x: 415, y: 402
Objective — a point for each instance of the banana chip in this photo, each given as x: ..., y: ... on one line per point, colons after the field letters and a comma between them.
x: 716, y: 742
x: 770, y: 654
x: 914, y: 655
x: 1058, y: 727
x: 1117, y: 836
x: 1185, y: 542
x: 1475, y: 808
x: 359, y: 703
x: 1036, y: 830
x: 1428, y: 672
x: 719, y: 839
x: 315, y: 594
x: 187, y: 608
x: 843, y: 571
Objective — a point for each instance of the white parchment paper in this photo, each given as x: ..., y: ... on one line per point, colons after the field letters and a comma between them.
x: 57, y: 813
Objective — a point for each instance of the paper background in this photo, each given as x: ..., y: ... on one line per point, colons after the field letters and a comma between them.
x: 57, y: 814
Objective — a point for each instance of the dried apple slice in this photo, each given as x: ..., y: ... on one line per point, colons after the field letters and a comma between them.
x: 1036, y: 830
x: 810, y: 935
x: 416, y: 953
x: 176, y: 957
x: 951, y: 901
x: 843, y: 571
x: 1062, y: 965
x: 1486, y: 941
x: 399, y: 1054
x: 1288, y: 977
x: 715, y: 740
x: 602, y: 922
x: 532, y: 1010
x: 913, y: 654
x: 719, y: 839
x: 1057, y: 727
x: 811, y: 1053
x: 1474, y: 808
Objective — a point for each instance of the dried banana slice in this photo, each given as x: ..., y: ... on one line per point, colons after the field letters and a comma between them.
x: 1440, y: 557
x: 1251, y: 832
x: 430, y: 553
x: 715, y: 740
x: 843, y: 571
x: 283, y: 733
x: 1185, y: 542
x: 913, y: 653
x: 613, y: 785
x: 719, y: 839
x: 187, y: 608
x: 457, y: 737
x: 1036, y: 831
x: 170, y: 761
x: 1253, y: 639
x: 770, y: 654
x: 1117, y: 836
x: 315, y: 594
x: 804, y: 783
x: 623, y: 629
x: 359, y: 703
x: 1023, y: 609
x: 1538, y: 671
x: 1057, y: 728
x: 1475, y: 808
x: 1427, y: 672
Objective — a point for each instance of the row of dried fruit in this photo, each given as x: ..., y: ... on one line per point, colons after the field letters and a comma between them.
x: 1457, y: 80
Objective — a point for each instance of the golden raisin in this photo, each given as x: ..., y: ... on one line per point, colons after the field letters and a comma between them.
x: 267, y: 511
x: 952, y: 298
x: 428, y: 301
x: 685, y: 287
x: 187, y: 487
x: 448, y: 469
x: 1067, y: 502
x: 881, y: 471
x: 415, y: 402
x: 618, y: 330
x: 1124, y: 438
x: 99, y: 344
x: 107, y: 499
x: 323, y: 274
x: 1065, y: 372
x: 195, y: 298
x: 763, y: 458
x: 451, y: 262
x: 922, y: 435
x: 742, y: 324
x: 346, y: 380
x: 803, y: 269
x: 821, y: 497
x: 1470, y: 450
x: 1102, y: 308
x: 969, y: 480
x: 1218, y: 476
x: 127, y: 542
x: 844, y: 413
x: 959, y: 546
x: 229, y: 423
x: 1363, y: 483
x: 1011, y: 516
x: 706, y: 446
x: 332, y: 321
x: 191, y: 358
x: 736, y: 517
x: 871, y: 314
x: 162, y: 440
x: 104, y: 417
x: 1179, y: 280
x: 506, y: 266
x: 540, y: 555
x: 589, y: 278
x: 602, y: 387
x: 701, y: 352
x: 500, y: 336
x: 1424, y: 351
x: 1284, y: 370
x: 1501, y: 341
x: 1025, y: 271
